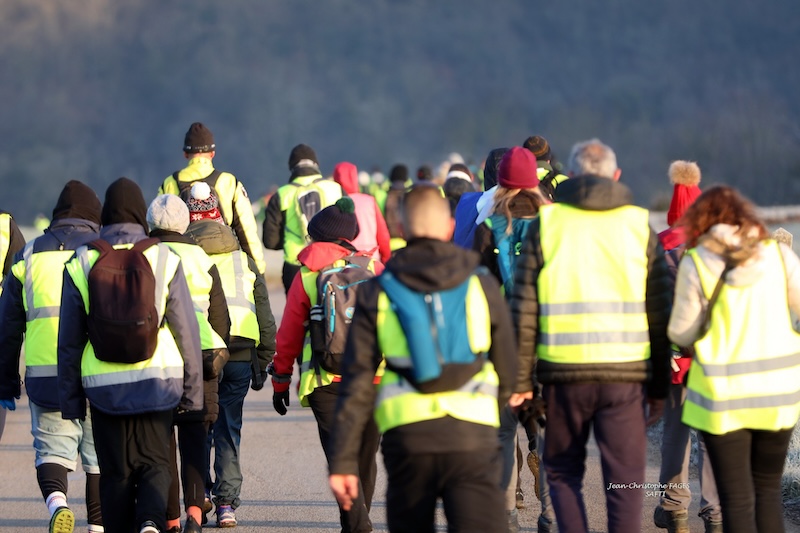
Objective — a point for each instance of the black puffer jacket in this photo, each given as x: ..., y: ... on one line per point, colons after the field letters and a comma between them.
x: 596, y: 194
x: 424, y: 265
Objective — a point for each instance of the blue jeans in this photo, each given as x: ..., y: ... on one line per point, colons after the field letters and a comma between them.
x: 227, y: 433
x: 59, y: 441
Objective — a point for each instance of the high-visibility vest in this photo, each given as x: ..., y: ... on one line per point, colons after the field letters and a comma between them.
x: 399, y: 403
x: 746, y: 370
x: 41, y: 299
x: 294, y: 238
x: 196, y: 264
x: 238, y: 284
x: 309, y: 378
x: 106, y: 382
x: 597, y: 314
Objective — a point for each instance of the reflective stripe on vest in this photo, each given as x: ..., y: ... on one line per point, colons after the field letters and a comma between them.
x: 294, y: 238
x: 746, y: 370
x: 238, y: 284
x: 166, y: 364
x: 42, y: 301
x: 399, y: 403
x: 196, y: 265
x: 598, y: 315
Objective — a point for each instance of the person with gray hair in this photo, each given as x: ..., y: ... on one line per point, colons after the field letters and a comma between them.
x: 594, y: 339
x: 594, y: 158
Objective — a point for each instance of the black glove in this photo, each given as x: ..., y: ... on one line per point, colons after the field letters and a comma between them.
x: 259, y: 378
x: 280, y: 401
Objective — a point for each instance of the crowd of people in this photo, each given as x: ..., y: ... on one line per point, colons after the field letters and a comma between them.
x: 429, y: 318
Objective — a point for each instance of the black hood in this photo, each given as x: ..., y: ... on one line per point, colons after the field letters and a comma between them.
x: 593, y: 193
x: 165, y: 235
x: 426, y: 265
x: 77, y: 200
x: 124, y: 203
x: 491, y: 166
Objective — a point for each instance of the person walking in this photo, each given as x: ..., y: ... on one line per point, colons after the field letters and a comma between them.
x: 439, y: 424
x: 168, y: 218
x: 332, y: 232
x: 549, y: 170
x: 373, y: 235
x: 590, y: 304
x: 734, y: 297
x: 29, y: 311
x: 474, y: 207
x: 251, y: 345
x: 672, y: 511
x: 131, y: 391
x: 392, y: 204
x: 199, y: 149
x: 292, y: 207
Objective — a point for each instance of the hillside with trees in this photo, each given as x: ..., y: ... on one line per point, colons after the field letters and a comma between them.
x: 97, y: 89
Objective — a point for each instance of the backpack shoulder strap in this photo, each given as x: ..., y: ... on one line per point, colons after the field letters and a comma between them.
x: 212, y: 178
x: 144, y: 244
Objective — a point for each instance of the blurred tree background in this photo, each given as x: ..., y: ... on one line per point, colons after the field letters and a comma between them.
x: 97, y: 89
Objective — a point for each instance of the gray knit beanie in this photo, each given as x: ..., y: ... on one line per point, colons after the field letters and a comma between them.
x: 168, y: 212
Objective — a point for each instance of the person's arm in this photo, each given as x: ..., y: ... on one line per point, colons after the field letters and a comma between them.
x: 244, y: 225
x: 658, y: 297
x: 72, y: 338
x: 357, y: 393
x: 292, y: 331
x: 218, y: 315
x: 274, y: 223
x: 483, y: 243
x: 16, y: 243
x: 503, y: 353
x: 524, y: 304
x: 266, y: 321
x: 792, y: 264
x: 12, y: 316
x: 688, y: 310
x: 382, y: 234
x: 182, y: 322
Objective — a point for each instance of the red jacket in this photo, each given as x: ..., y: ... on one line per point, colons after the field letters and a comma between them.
x: 292, y: 331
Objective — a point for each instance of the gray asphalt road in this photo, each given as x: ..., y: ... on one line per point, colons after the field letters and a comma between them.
x: 285, y: 484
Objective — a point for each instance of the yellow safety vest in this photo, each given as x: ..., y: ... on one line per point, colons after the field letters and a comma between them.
x: 238, y: 284
x: 399, y: 403
x: 196, y: 264
x: 597, y: 315
x: 41, y: 299
x: 232, y: 197
x: 746, y: 371
x: 295, y: 231
x: 166, y: 362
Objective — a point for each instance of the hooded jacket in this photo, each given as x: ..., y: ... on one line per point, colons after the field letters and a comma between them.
x: 215, y: 238
x: 474, y: 207
x: 721, y: 244
x: 594, y: 194
x: 423, y: 265
x: 76, y: 222
x: 373, y: 233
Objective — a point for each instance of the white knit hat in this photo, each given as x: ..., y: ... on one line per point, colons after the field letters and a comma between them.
x: 168, y: 212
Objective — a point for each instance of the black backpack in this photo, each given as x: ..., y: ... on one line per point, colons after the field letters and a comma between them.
x: 332, y: 313
x: 123, y: 320
x: 185, y: 188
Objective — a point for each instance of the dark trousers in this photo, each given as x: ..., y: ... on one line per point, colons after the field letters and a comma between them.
x: 289, y: 272
x: 748, y: 465
x: 615, y: 411
x: 467, y: 482
x: 323, y: 404
x: 133, y: 454
x: 192, y: 437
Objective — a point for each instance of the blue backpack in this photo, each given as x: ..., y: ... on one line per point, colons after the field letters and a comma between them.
x: 508, y: 245
x: 435, y: 325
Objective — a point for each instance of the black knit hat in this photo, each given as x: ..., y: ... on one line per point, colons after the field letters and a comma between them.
x: 424, y: 173
x: 199, y: 139
x: 303, y: 155
x: 398, y: 173
x: 539, y: 147
x: 124, y: 203
x: 334, y: 223
x: 77, y: 200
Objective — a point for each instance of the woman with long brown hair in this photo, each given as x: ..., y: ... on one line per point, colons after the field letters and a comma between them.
x: 734, y: 295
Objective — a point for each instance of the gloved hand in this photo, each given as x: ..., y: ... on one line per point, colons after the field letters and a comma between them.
x: 9, y: 404
x: 259, y: 378
x: 280, y: 401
